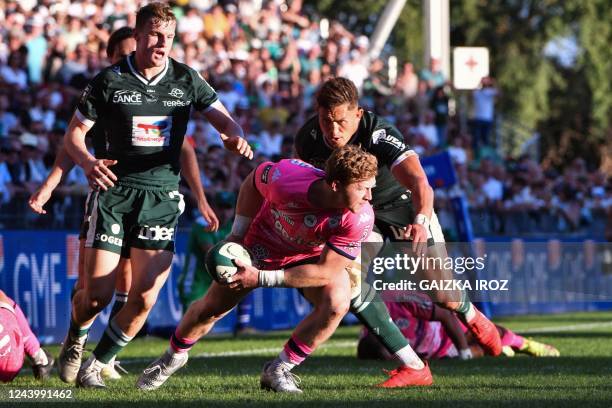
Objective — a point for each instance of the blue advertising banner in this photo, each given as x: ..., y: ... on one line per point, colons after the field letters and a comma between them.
x: 39, y: 268
x: 439, y: 169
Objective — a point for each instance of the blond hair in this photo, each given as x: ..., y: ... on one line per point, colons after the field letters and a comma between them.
x: 350, y: 164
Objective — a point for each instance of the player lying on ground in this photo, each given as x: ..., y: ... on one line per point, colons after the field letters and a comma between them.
x: 17, y: 339
x: 121, y: 43
x: 435, y: 332
x: 403, y: 207
x: 307, y: 228
x: 144, y: 103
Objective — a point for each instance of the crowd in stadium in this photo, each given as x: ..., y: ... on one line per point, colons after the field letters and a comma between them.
x: 266, y: 60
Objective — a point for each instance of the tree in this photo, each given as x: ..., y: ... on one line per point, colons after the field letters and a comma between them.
x: 539, y: 91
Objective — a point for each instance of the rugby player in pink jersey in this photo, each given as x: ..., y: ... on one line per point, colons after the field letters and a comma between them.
x: 435, y: 332
x: 304, y: 228
x: 17, y: 340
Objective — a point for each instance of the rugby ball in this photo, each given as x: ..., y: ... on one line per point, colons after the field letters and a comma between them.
x: 220, y: 260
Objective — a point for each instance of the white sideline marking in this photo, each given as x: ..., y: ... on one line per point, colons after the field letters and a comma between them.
x: 348, y: 344
x: 553, y: 329
x: 251, y: 352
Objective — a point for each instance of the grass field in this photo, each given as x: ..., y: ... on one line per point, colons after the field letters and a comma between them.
x: 224, y: 372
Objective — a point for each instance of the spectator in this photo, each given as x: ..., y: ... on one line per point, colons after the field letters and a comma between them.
x: 215, y: 23
x: 484, y: 112
x: 36, y: 44
x: 433, y: 76
x: 355, y: 69
x: 13, y: 73
x: 8, y: 121
x: 266, y: 59
x: 407, y: 83
x: 439, y: 106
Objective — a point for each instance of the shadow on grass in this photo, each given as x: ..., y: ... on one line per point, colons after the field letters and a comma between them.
x: 335, y: 381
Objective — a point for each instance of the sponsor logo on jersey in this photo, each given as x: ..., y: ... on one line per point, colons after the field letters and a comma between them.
x: 310, y: 220
x: 300, y: 163
x: 156, y: 233
x: 259, y: 252
x: 365, y: 234
x: 151, y: 131
x: 109, y: 238
x: 85, y: 93
x: 125, y: 97
x: 363, y: 218
x: 281, y: 214
x: 176, y: 93
x: 276, y: 175
x: 377, y: 135
x: 170, y: 104
x: 151, y: 99
x: 392, y: 140
x: 351, y: 247
x: 334, y: 221
x: 264, y: 174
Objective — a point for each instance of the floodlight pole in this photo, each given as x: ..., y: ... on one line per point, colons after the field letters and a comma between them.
x: 436, y: 23
x: 384, y: 26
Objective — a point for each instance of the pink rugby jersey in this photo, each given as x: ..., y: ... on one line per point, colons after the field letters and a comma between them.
x: 413, y: 316
x: 288, y: 229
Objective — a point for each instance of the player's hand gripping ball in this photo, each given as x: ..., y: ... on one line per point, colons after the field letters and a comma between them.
x: 220, y: 260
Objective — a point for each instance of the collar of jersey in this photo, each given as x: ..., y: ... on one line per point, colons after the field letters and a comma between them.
x: 155, y: 80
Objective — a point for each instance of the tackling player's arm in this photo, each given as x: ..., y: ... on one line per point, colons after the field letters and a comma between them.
x: 61, y: 167
x: 191, y: 170
x: 411, y: 175
x: 389, y: 149
x: 387, y: 144
x: 97, y: 171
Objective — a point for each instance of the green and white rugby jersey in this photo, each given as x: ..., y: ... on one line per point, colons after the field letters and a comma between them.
x: 145, y: 120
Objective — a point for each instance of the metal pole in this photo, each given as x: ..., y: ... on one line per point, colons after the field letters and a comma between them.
x: 384, y: 26
x: 436, y: 21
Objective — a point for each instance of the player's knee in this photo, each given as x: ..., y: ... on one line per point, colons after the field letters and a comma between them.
x: 142, y: 302
x: 98, y: 300
x: 337, y: 304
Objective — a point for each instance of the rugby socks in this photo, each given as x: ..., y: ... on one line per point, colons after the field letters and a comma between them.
x: 293, y: 354
x: 112, y: 342
x: 78, y: 331
x: 179, y: 344
x: 466, y: 309
x: 374, y: 315
x: 120, y: 300
x: 30, y: 343
x: 512, y: 339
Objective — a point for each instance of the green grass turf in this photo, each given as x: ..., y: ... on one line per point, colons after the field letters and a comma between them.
x: 333, y: 377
